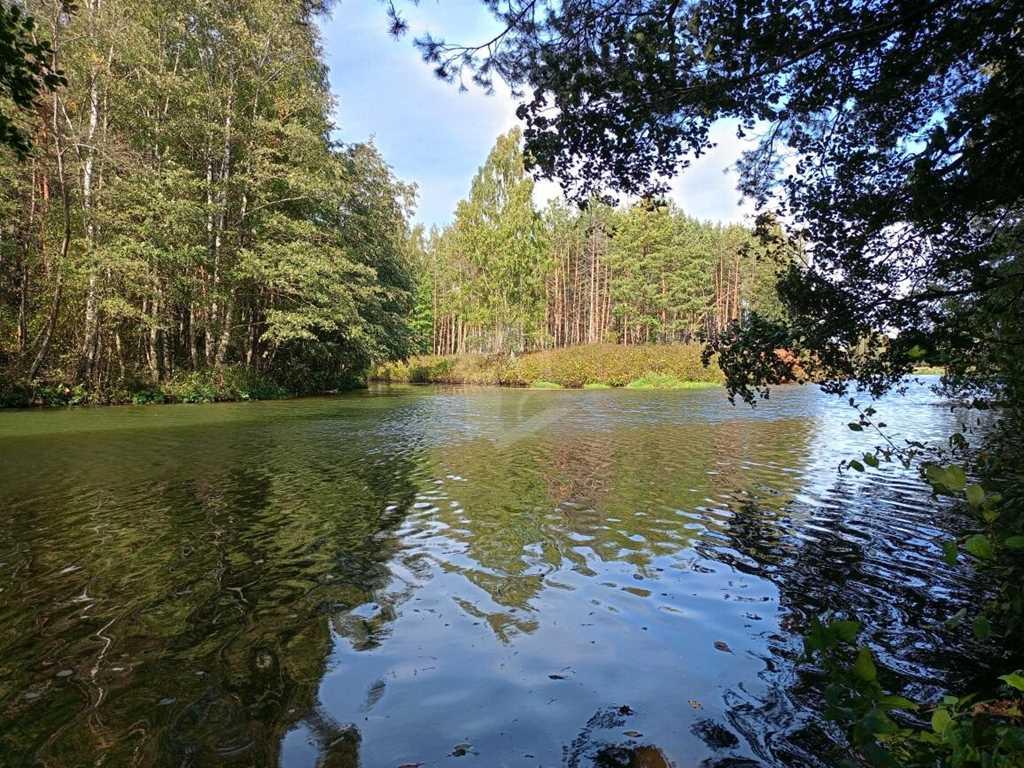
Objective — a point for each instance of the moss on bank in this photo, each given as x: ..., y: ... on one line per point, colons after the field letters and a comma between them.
x: 669, y: 366
x: 666, y: 381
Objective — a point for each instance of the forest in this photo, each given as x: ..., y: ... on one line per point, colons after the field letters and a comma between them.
x: 179, y: 222
x: 185, y: 212
x: 505, y: 277
x: 185, y: 228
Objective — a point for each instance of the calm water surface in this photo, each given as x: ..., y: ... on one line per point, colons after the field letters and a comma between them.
x: 454, y: 577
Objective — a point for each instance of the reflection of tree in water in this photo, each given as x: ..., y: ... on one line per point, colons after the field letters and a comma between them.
x: 548, y: 500
x: 202, y: 627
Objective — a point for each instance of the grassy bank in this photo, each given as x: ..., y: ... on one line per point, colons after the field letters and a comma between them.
x: 592, y: 367
x: 207, y: 386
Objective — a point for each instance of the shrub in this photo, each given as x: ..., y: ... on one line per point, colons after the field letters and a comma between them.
x: 608, y: 364
x: 210, y: 385
x: 14, y: 394
x: 666, y: 381
x: 205, y: 386
x: 145, y: 397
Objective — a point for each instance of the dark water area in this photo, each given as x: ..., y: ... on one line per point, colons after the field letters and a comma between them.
x: 445, y: 576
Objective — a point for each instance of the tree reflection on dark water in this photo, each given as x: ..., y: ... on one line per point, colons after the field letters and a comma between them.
x: 418, y: 576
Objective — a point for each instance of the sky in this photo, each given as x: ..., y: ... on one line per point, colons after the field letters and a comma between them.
x: 436, y: 136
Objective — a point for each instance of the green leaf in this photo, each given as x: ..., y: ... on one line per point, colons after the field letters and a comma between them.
x: 871, y: 460
x: 897, y: 702
x: 1014, y: 680
x: 864, y: 666
x: 816, y: 638
x: 955, y: 479
x: 856, y: 465
x: 950, y: 551
x: 941, y: 720
x: 878, y: 722
x: 980, y: 546
x: 1014, y: 542
x: 975, y: 495
x: 855, y: 426
x: 846, y: 630
x: 950, y: 479
x: 982, y: 628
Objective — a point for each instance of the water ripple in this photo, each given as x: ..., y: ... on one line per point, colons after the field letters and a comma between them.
x: 403, y: 575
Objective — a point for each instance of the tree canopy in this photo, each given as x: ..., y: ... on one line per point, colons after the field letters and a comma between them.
x: 185, y: 210
x: 887, y: 136
x: 25, y: 72
x: 506, y: 277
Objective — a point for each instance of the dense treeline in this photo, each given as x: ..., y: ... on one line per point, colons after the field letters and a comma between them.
x: 185, y: 210
x: 505, y: 277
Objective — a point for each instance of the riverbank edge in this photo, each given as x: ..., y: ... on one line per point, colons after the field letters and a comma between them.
x: 668, y: 367
x: 227, y: 385
x: 592, y: 366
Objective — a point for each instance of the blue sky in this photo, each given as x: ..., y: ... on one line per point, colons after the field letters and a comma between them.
x: 437, y: 137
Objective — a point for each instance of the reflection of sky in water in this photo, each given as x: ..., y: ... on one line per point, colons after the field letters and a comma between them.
x: 517, y: 577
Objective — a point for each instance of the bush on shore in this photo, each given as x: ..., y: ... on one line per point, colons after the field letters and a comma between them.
x: 207, y: 386
x: 609, y: 364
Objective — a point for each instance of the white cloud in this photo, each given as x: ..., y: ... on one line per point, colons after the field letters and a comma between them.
x: 707, y: 188
x: 437, y: 137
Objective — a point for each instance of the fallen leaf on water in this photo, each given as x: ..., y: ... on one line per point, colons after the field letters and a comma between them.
x: 633, y: 734
x: 696, y: 704
x: 722, y: 646
x: 557, y: 677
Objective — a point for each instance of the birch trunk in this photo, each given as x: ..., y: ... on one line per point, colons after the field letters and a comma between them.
x: 87, y: 353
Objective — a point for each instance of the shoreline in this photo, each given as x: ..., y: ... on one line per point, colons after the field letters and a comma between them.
x: 39, y: 405
x: 594, y: 366
x: 227, y: 385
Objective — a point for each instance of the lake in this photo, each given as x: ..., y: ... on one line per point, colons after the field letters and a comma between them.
x: 457, y: 576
